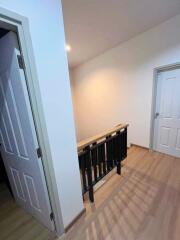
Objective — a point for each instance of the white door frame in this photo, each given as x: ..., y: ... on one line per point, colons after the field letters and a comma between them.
x: 154, y: 98
x: 18, y: 23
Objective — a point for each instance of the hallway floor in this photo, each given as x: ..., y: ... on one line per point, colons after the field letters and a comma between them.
x: 16, y: 224
x: 141, y: 204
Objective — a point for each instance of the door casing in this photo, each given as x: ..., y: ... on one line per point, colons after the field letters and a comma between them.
x: 19, y: 24
x: 154, y: 98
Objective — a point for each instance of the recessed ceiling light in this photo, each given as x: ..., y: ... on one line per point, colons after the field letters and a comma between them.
x: 68, y: 48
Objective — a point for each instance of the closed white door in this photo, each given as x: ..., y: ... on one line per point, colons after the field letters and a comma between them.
x: 167, y: 116
x: 18, y: 136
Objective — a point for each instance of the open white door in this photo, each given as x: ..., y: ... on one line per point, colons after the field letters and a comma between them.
x: 167, y: 122
x: 18, y: 136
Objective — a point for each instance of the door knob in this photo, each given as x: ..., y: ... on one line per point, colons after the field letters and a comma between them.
x: 157, y: 115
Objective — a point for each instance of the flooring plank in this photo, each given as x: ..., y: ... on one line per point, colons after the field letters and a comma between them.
x: 16, y: 224
x: 141, y: 204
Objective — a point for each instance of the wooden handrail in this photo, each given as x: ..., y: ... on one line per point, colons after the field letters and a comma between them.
x: 84, y: 143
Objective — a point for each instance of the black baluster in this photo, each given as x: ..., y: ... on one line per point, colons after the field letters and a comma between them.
x: 94, y: 161
x: 119, y: 152
x: 124, y: 148
x: 108, y: 154
x: 125, y: 142
x: 100, y: 160
x: 82, y: 164
x: 89, y: 173
x: 111, y: 146
x: 116, y: 150
x: 121, y: 145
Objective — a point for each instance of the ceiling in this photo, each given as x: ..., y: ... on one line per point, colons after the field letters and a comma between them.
x: 94, y: 26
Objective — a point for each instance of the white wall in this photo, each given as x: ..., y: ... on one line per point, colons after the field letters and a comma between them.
x: 47, y: 32
x: 117, y: 86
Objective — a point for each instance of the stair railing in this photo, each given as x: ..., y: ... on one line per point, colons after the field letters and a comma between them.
x: 100, y: 154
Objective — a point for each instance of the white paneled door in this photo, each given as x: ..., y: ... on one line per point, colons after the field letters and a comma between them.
x: 167, y: 116
x: 18, y: 136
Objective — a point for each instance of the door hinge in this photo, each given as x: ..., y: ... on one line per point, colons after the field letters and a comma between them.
x: 21, y: 61
x: 39, y: 152
x: 52, y: 216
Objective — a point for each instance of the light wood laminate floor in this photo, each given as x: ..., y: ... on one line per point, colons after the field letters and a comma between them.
x: 141, y: 204
x: 16, y: 224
